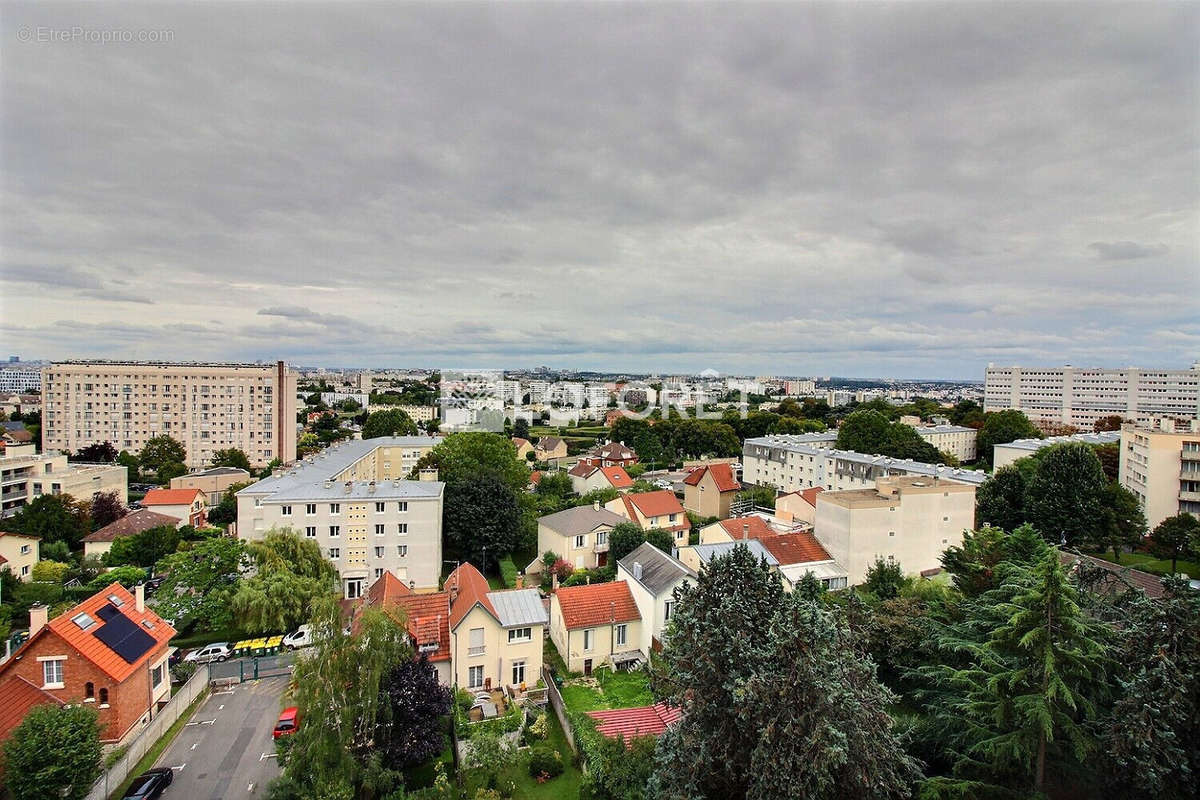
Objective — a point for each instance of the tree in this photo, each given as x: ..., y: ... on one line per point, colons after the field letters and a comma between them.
x: 105, y: 509
x: 1001, y: 427
x: 96, y: 453
x: 619, y: 768
x: 460, y: 456
x: 144, y: 549
x: 760, y: 496
x: 1175, y: 537
x: 521, y: 428
x: 225, y: 511
x: 201, y: 581
x: 50, y: 571
x: 271, y: 466
x: 968, y: 413
x: 53, y: 517
x: 1121, y: 524
x: 231, y: 457
x: 172, y: 469
x: 1112, y: 422
x: 161, y: 454
x: 412, y: 708
x: 481, y: 519
x: 54, y: 752
x: 662, y: 539
x: 390, y: 422
x: 1110, y: 459
x: 884, y: 579
x: 1065, y: 499
x: 130, y: 462
x: 1000, y: 500
x: 555, y: 484
x: 128, y: 575
x: 864, y: 432
x: 290, y: 576
x: 623, y: 539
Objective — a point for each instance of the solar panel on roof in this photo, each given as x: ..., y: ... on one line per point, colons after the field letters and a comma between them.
x: 107, y: 612
x: 124, y: 638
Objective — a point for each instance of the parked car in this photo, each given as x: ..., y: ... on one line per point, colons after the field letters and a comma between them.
x: 150, y: 784
x: 663, y: 483
x: 217, y: 651
x: 289, y: 722
x: 301, y: 637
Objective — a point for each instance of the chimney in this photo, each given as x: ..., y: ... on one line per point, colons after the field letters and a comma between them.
x: 39, y: 615
x: 139, y: 597
x: 595, y: 505
x: 637, y: 570
x: 430, y: 475
x: 349, y: 487
x: 745, y: 531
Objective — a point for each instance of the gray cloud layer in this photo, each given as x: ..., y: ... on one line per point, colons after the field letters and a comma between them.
x: 852, y: 188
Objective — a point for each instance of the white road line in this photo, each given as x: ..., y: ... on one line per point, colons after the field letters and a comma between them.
x: 195, y: 745
x: 221, y: 707
x: 180, y: 767
x: 250, y: 788
x: 268, y: 755
x: 226, y: 691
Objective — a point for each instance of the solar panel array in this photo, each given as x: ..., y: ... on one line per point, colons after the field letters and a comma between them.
x: 122, y: 636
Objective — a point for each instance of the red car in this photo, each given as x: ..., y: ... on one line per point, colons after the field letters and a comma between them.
x: 289, y: 721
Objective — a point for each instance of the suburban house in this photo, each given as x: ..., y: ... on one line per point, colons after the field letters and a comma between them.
x: 798, y: 506
x: 630, y: 723
x: 18, y: 553
x: 596, y: 624
x: 698, y: 555
x: 549, y: 447
x: 709, y: 490
x: 213, y: 482
x: 523, y: 447
x: 652, y: 577
x: 796, y: 550
x: 589, y: 477
x: 577, y: 535
x: 108, y: 653
x: 659, y: 509
x: 97, y: 543
x: 495, y: 636
x: 613, y: 454
x: 426, y: 618
x: 188, y: 505
x: 20, y: 697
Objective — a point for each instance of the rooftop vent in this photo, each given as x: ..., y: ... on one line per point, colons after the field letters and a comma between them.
x: 637, y: 570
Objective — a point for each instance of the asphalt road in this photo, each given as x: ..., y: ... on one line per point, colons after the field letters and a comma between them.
x: 226, y: 750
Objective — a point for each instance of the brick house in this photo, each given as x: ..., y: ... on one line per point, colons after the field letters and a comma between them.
x: 109, y: 652
x: 188, y: 505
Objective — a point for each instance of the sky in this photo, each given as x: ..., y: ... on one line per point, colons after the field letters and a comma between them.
x: 908, y: 190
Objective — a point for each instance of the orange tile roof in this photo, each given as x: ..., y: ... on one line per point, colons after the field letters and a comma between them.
x: 467, y: 587
x: 618, y: 477
x: 634, y: 722
x: 655, y: 504
x: 752, y: 527
x: 596, y: 604
x: 797, y: 547
x: 20, y: 697
x: 810, y: 495
x: 535, y: 477
x: 426, y: 616
x: 722, y: 474
x: 170, y: 497
x: 581, y: 470
x: 97, y: 651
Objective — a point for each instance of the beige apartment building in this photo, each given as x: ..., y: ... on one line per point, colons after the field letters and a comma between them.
x: 18, y: 553
x: 213, y: 482
x: 25, y: 475
x: 1007, y: 453
x: 909, y: 519
x: 1161, y: 465
x: 353, y: 500
x: 206, y: 406
x: 957, y: 440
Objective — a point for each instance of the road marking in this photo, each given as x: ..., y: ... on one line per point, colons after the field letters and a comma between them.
x: 250, y: 788
x: 180, y: 767
x: 268, y: 755
x: 226, y: 691
x: 221, y: 707
x: 201, y: 722
x: 195, y: 745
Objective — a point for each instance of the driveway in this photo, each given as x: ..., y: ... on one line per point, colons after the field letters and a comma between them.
x: 226, y: 750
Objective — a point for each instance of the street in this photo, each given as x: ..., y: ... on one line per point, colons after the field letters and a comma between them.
x: 225, y: 750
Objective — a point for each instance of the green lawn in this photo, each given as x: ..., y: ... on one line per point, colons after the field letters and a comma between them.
x: 1149, y: 563
x: 564, y: 787
x: 614, y: 690
x: 422, y: 776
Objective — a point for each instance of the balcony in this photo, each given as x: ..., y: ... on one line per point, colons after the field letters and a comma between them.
x: 1190, y: 497
x: 602, y: 547
x: 476, y: 651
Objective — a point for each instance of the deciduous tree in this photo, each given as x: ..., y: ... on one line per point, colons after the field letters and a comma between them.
x: 1001, y: 427
x: 53, y: 517
x: 231, y: 457
x: 412, y: 711
x: 105, y: 509
x: 54, y: 752
x: 144, y: 549
x: 291, y: 575
x: 481, y: 519
x: 1065, y: 499
x: 96, y: 453
x: 201, y: 581
x: 1175, y: 537
x: 160, y: 454
x: 389, y: 422
x: 461, y: 456
x: 1122, y: 523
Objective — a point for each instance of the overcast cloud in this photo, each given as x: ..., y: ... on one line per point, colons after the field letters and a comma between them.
x: 855, y: 189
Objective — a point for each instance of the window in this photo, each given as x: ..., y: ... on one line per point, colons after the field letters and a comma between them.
x: 520, y: 635
x: 104, y: 698
x: 310, y: 508
x: 891, y: 533
x: 26, y: 549
x: 379, y: 508
x: 335, y: 530
x: 89, y: 692
x: 311, y: 531
x: 622, y: 634
x: 402, y: 506
x: 52, y: 673
x: 335, y: 552
x: 581, y: 541
x: 601, y: 538
x: 668, y: 609
x: 156, y: 675
x: 354, y: 588
x: 475, y: 643
x: 379, y: 552
x: 285, y: 511
x: 402, y: 529
x: 589, y: 639
x: 378, y: 572
x: 402, y: 550
x: 518, y: 673
x: 474, y: 677
x: 24, y: 570
x: 379, y: 529
x: 335, y: 508
x: 673, y: 517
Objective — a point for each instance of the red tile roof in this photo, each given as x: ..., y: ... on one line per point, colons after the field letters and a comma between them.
x: 618, y: 477
x: 131, y: 524
x: 750, y: 527
x: 634, y: 722
x: 20, y: 697
x: 810, y: 495
x: 798, y: 547
x: 581, y: 470
x: 655, y: 504
x: 467, y: 587
x: 426, y: 616
x: 596, y: 604
x: 170, y: 497
x: 535, y: 477
x: 721, y: 473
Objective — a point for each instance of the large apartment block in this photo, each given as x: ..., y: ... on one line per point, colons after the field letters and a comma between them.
x: 957, y: 440
x: 353, y: 500
x: 1161, y: 465
x: 207, y: 407
x: 1078, y: 396
x: 792, y: 463
x: 25, y: 475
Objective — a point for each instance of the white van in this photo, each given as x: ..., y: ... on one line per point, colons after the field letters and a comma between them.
x: 301, y: 637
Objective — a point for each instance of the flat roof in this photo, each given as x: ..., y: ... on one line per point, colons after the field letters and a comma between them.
x: 882, y: 462
x: 1033, y: 445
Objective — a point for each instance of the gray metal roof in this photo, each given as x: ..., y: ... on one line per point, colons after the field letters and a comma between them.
x: 659, y: 570
x: 216, y: 471
x: 517, y: 607
x: 895, y: 465
x: 942, y: 429
x: 1033, y: 445
x: 581, y: 519
x: 707, y: 552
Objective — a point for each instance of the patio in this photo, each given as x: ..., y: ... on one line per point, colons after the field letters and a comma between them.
x: 489, y: 704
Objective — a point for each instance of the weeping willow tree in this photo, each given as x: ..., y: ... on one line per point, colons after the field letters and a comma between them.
x: 290, y: 575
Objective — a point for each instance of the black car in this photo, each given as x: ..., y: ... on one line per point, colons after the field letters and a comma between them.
x: 149, y: 784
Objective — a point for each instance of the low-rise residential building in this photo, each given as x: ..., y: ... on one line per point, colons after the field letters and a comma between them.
x: 709, y: 490
x: 108, y: 653
x: 1007, y: 453
x: 596, y: 624
x: 588, y: 477
x: 1160, y: 464
x: 652, y: 577
x: 420, y: 414
x: 957, y: 440
x: 496, y: 636
x: 577, y: 535
x: 611, y: 454
x: 213, y: 482
x: 20, y: 403
x: 908, y: 519
x: 798, y: 506
x: 426, y: 617
x: 549, y: 447
x: 25, y: 475
x: 18, y: 553
x: 659, y: 509
x: 523, y: 447
x: 697, y: 556
x: 99, y: 542
x: 351, y: 499
x: 189, y: 506
x: 796, y: 551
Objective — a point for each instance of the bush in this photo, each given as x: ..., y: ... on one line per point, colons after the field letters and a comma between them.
x: 545, y: 762
x: 540, y: 728
x: 181, y: 672
x: 508, y: 572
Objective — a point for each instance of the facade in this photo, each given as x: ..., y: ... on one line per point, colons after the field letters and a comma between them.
x: 1161, y: 465
x: 612, y: 454
x: 495, y: 637
x: 352, y: 499
x: 523, y: 447
x: 213, y: 482
x: 709, y: 490
x: 1005, y: 454
x: 908, y: 519
x: 108, y: 653
x: 799, y: 506
x: 1080, y: 396
x: 25, y: 475
x: 18, y: 553
x: 20, y: 380
x: 800, y: 388
x: 652, y: 577
x: 596, y: 624
x: 207, y: 407
x: 588, y: 477
x: 425, y: 616
x: 21, y: 404
x: 189, y: 506
x: 957, y: 440
x: 99, y: 542
x: 420, y: 414
x: 659, y: 509
x: 796, y: 462
x: 578, y: 535
x: 549, y: 447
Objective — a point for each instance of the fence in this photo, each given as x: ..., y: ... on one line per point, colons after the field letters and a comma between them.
x: 248, y: 669
x: 164, y: 719
x: 560, y: 709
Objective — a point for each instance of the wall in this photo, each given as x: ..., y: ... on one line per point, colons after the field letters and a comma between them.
x: 498, y: 654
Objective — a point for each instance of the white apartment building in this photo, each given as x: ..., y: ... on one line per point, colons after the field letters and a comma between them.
x: 569, y: 394
x: 800, y: 388
x: 206, y: 406
x: 1080, y: 396
x: 25, y: 475
x: 20, y: 380
x: 838, y: 397
x: 352, y: 499
x: 1007, y: 453
x: 510, y: 392
x: 908, y: 519
x: 956, y: 440
x: 539, y: 391
x: 1161, y: 465
x: 792, y: 463
x: 596, y: 395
